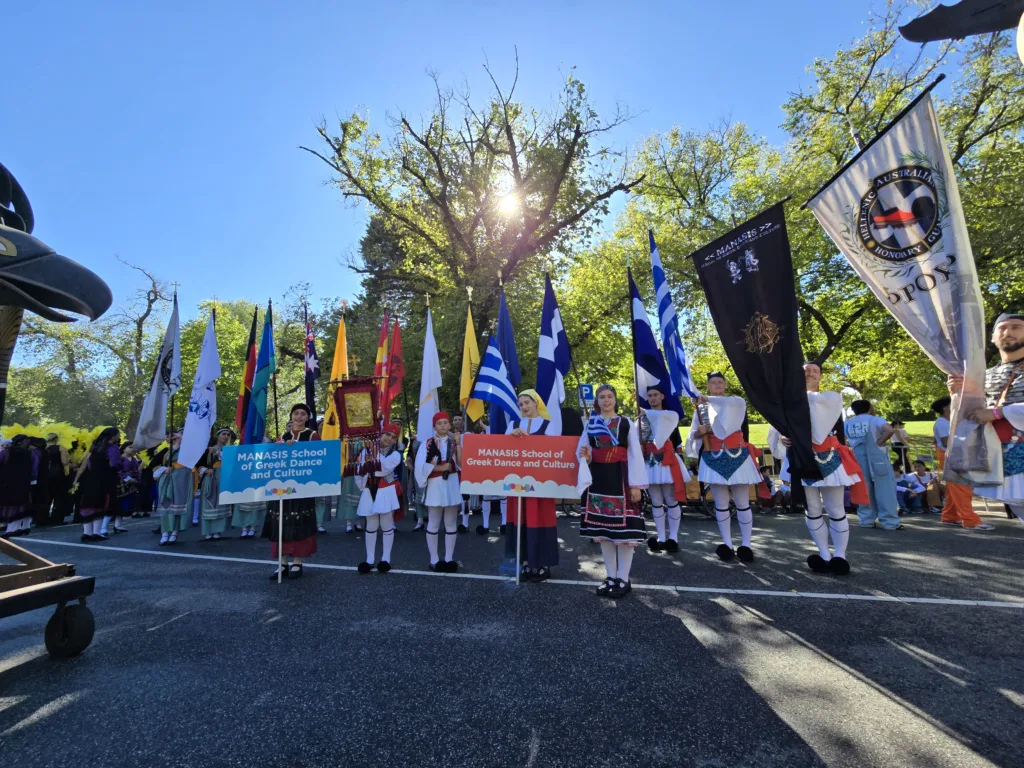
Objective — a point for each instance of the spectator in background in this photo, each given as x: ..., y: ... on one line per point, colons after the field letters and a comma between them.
x: 909, y: 491
x: 901, y: 445
x: 958, y: 511
x: 868, y: 434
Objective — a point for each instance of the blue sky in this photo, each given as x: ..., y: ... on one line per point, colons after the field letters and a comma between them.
x: 168, y: 133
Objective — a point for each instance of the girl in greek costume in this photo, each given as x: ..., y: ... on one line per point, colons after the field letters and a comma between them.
x: 437, y: 469
x: 97, y: 481
x: 839, y: 470
x: 725, y: 463
x: 175, y: 494
x: 16, y: 487
x: 214, y: 515
x: 613, y: 518
x: 539, y: 531
x: 666, y: 474
x: 299, y: 530
x: 129, y: 473
x: 381, y: 499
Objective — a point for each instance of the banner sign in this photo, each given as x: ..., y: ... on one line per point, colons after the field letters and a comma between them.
x: 271, y: 472
x: 895, y: 214
x: 747, y: 276
x: 535, y: 465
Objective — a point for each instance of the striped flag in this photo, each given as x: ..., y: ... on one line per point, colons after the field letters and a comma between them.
x: 497, y: 423
x: 553, y: 357
x: 675, y: 354
x: 266, y: 365
x: 493, y: 385
x: 648, y: 364
x: 245, y: 390
x: 312, y: 369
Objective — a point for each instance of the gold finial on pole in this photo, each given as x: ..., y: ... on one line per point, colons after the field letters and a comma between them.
x: 469, y: 290
x: 501, y: 281
x: 428, y: 301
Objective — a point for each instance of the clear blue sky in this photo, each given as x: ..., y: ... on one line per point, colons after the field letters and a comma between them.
x: 167, y: 133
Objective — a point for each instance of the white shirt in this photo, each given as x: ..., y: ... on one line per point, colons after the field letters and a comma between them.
x: 940, y: 430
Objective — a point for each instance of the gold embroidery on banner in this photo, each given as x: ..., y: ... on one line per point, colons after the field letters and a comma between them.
x: 761, y: 334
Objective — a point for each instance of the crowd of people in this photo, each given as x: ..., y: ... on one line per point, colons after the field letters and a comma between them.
x: 623, y: 460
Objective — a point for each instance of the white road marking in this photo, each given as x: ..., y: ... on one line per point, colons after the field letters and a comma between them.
x: 879, y: 598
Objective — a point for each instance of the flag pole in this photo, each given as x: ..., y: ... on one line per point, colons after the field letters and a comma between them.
x: 280, y: 538
x: 519, y: 537
x: 273, y: 376
x: 632, y: 336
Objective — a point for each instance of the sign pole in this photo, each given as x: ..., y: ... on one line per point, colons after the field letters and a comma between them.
x: 519, y: 536
x: 280, y: 539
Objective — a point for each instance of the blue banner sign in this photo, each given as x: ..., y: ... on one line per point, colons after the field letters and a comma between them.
x: 273, y: 472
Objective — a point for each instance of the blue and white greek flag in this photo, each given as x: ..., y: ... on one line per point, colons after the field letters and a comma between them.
x: 553, y: 357
x: 492, y: 383
x: 675, y: 355
x: 598, y: 426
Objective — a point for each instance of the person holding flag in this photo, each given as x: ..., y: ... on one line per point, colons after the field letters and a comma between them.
x: 437, y: 469
x: 659, y: 429
x: 716, y: 437
x: 214, y: 515
x: 381, y: 497
x: 613, y: 517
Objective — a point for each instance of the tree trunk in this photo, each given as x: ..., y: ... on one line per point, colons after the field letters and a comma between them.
x: 10, y: 324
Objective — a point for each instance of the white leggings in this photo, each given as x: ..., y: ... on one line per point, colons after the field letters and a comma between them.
x: 385, y: 523
x: 741, y: 496
x: 450, y: 515
x: 664, y: 504
x: 827, y: 499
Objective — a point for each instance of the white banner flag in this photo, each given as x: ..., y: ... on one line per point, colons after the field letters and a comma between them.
x: 895, y: 213
x: 152, y: 429
x: 430, y: 382
x: 202, y: 405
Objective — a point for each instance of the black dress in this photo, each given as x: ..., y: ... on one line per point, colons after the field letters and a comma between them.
x: 15, y: 483
x: 299, y: 529
x: 610, y: 514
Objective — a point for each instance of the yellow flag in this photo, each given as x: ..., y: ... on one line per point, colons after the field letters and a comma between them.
x: 470, y: 365
x: 339, y: 370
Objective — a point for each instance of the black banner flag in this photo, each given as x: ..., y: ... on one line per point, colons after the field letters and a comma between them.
x: 747, y: 277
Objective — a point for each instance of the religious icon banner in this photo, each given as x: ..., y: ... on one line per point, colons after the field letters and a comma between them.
x: 894, y: 212
x: 747, y: 276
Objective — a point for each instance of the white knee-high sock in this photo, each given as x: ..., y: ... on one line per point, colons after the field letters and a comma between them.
x: 387, y: 535
x: 504, y: 512
x: 611, y: 558
x: 659, y: 521
x: 118, y: 519
x: 744, y: 515
x: 675, y: 515
x: 838, y: 525
x: 816, y: 524
x: 372, y: 525
x: 485, y: 510
x: 465, y: 519
x: 451, y: 533
x: 434, y: 517
x: 103, y: 526
x: 625, y: 554
x: 720, y: 495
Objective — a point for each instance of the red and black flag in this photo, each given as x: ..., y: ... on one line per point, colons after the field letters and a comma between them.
x: 245, y: 391
x: 312, y: 371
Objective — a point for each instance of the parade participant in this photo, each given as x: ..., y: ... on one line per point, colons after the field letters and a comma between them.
x: 175, y: 494
x: 958, y: 509
x: 868, y: 434
x: 324, y: 504
x: 459, y: 432
x: 128, y: 473
x: 839, y: 470
x: 538, y: 532
x: 16, y: 487
x: 40, y: 503
x: 381, y: 497
x: 97, y: 480
x: 666, y: 473
x: 613, y: 517
x: 1004, y: 398
x: 299, y: 529
x: 214, y: 514
x: 59, y: 478
x: 437, y: 467
x: 725, y: 463
x: 419, y: 490
x: 348, y: 499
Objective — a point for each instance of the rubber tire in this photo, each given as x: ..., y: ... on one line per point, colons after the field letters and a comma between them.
x: 70, y: 634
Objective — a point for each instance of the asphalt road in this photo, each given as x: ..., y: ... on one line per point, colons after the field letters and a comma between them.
x: 204, y: 662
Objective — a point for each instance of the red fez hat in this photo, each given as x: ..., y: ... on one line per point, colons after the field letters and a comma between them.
x: 440, y: 415
x: 393, y: 429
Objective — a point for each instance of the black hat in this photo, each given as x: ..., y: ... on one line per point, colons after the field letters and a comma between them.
x: 716, y: 375
x: 301, y: 407
x: 940, y: 405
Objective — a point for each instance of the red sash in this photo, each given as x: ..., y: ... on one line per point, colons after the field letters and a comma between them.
x: 1004, y: 429
x: 859, y: 490
x: 733, y: 441
x: 668, y: 459
x: 613, y: 455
